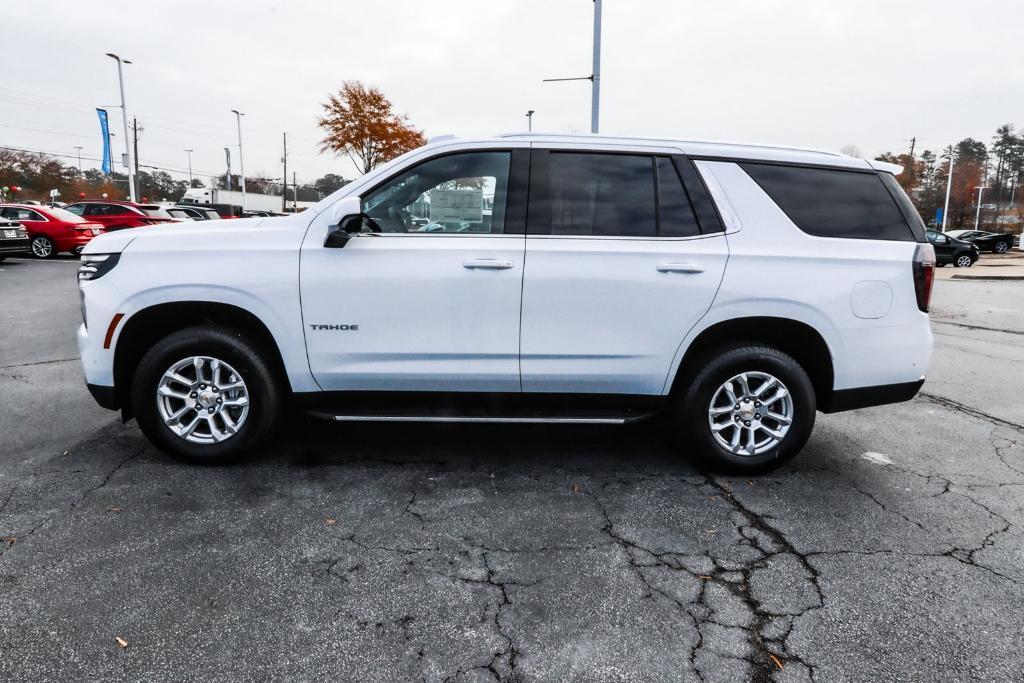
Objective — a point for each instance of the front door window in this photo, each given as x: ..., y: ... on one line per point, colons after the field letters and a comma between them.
x: 457, y: 193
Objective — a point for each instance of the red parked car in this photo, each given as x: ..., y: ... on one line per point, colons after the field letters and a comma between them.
x: 50, y: 229
x: 119, y: 215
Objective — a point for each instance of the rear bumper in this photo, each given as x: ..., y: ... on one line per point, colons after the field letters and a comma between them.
x: 12, y: 247
x: 74, y: 242
x: 865, y: 397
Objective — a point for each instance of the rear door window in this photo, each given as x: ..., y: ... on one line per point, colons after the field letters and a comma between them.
x: 606, y: 195
x: 827, y: 202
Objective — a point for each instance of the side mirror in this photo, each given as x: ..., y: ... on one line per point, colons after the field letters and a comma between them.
x: 347, y: 221
x: 350, y: 225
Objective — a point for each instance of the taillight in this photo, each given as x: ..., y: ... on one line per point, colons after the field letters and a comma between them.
x: 924, y: 274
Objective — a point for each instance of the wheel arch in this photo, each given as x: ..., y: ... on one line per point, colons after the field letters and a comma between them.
x: 793, y: 337
x: 148, y: 325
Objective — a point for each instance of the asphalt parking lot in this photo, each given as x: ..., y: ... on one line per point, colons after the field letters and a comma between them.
x: 891, y: 549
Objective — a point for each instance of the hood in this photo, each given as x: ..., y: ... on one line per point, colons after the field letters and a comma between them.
x: 116, y: 241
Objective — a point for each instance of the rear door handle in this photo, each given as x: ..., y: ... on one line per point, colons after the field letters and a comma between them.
x: 486, y: 264
x: 680, y: 268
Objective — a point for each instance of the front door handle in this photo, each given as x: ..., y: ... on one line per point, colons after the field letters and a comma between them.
x: 680, y: 268
x: 486, y: 264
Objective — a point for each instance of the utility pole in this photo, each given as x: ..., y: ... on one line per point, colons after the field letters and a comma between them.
x: 284, y: 160
x: 295, y: 194
x: 529, y: 120
x: 79, y: 148
x: 241, y: 159
x: 189, y: 153
x: 913, y: 143
x: 949, y: 185
x: 595, y: 86
x: 135, y: 144
x: 124, y: 118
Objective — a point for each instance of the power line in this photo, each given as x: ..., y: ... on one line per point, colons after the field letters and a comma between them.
x: 43, y: 130
x: 156, y: 167
x: 88, y: 158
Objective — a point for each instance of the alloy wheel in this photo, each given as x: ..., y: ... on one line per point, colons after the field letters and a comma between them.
x: 42, y: 247
x: 202, y: 400
x: 750, y: 413
x: 1001, y: 248
x: 963, y: 262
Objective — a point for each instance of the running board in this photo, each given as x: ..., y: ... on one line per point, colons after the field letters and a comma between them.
x: 485, y: 419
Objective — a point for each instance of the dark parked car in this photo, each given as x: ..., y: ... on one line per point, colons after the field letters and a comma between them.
x: 13, y: 240
x: 951, y: 250
x: 197, y: 213
x: 985, y: 241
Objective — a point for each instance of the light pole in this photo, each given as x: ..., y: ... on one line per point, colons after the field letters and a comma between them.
x: 189, y: 153
x: 79, y: 148
x: 595, y: 75
x: 529, y: 120
x: 949, y: 184
x: 124, y: 116
x: 977, y: 214
x: 595, y: 85
x: 241, y: 159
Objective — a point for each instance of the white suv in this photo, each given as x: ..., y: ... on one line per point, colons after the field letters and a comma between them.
x: 731, y: 289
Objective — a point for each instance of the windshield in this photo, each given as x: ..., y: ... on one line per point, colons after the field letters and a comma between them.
x: 65, y: 215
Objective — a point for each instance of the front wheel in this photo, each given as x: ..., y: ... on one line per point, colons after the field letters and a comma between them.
x: 1002, y: 247
x: 749, y: 409
x: 963, y: 261
x: 206, y: 395
x: 43, y: 247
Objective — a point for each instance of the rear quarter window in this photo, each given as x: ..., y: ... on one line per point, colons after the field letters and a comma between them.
x: 827, y: 202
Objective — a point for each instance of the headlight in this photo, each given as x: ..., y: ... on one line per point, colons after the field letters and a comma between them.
x: 95, y: 266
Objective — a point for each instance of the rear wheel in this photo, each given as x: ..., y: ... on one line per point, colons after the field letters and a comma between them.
x: 43, y: 247
x: 748, y: 409
x: 205, y: 395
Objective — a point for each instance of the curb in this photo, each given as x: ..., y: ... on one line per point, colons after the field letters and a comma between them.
x: 989, y: 278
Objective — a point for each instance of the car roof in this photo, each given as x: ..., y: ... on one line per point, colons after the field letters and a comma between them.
x: 708, y: 149
x: 34, y: 207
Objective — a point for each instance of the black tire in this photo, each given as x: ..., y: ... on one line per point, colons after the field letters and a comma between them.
x: 688, y: 416
x: 265, y: 392
x: 43, y: 247
x: 963, y: 261
x: 1001, y: 247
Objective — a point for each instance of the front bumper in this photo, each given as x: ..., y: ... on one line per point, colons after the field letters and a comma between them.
x: 103, y: 395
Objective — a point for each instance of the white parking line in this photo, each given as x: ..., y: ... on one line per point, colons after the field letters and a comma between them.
x: 877, y: 458
x: 35, y: 260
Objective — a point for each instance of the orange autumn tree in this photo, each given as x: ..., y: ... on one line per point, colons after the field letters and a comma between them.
x: 361, y: 122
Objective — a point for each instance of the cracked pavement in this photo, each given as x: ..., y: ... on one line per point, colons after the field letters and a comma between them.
x: 480, y: 553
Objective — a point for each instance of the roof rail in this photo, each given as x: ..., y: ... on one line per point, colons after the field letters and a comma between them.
x: 441, y: 138
x: 672, y: 140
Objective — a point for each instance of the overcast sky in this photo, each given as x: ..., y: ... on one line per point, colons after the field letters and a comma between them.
x: 813, y: 73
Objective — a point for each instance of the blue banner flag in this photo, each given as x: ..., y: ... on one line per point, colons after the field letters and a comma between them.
x: 105, y: 129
